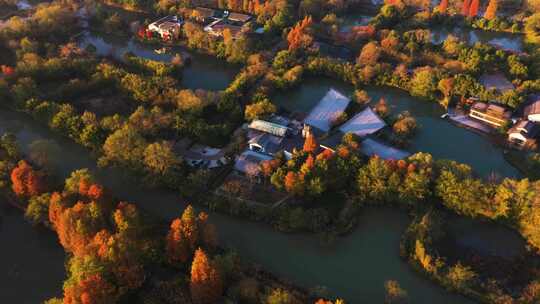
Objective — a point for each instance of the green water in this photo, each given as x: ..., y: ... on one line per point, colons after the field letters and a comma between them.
x: 436, y: 136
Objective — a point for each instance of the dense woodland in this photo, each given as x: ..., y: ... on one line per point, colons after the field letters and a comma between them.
x: 130, y: 112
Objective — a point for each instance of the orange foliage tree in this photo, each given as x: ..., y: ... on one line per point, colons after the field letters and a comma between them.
x: 206, y: 284
x: 7, y: 70
x: 473, y: 9
x: 491, y: 10
x: 187, y: 233
x: 77, y: 225
x: 310, y: 144
x: 178, y: 249
x: 443, y: 6
x: 465, y: 7
x: 298, y: 36
x: 93, y: 289
x: 26, y: 181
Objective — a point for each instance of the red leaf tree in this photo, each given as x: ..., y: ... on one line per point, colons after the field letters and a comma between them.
x: 298, y: 36
x: 491, y: 10
x: 310, y: 144
x: 443, y: 6
x: 473, y: 9
x: 93, y: 289
x: 186, y: 234
x: 206, y: 284
x: 25, y: 181
x: 465, y: 7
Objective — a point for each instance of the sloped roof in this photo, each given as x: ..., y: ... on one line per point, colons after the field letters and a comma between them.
x: 239, y: 17
x: 329, y: 108
x: 270, y: 143
x: 363, y: 123
x: 268, y: 127
x: 526, y: 128
x: 533, y: 108
x: 248, y: 162
x: 372, y: 147
x: 205, y: 12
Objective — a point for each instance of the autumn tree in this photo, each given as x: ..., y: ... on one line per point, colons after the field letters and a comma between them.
x: 443, y: 6
x: 381, y: 108
x: 310, y: 143
x: 77, y: 225
x: 26, y: 181
x: 294, y: 183
x: 206, y: 284
x: 394, y: 293
x: 369, y: 55
x: 187, y: 233
x: 473, y: 9
x: 405, y: 125
x: 460, y: 276
x: 491, y: 10
x: 178, y: 249
x: 299, y: 37
x: 465, y: 7
x: 92, y: 289
x: 159, y: 158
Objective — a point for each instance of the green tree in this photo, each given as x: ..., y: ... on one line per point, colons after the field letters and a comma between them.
x: 159, y: 158
x: 124, y: 147
x: 424, y: 83
x: 460, y: 276
x: 37, y: 211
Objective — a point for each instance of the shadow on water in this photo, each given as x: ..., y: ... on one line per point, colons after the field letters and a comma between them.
x: 354, y: 267
x: 436, y: 136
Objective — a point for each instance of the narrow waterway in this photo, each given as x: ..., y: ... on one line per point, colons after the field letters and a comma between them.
x: 504, y: 40
x: 435, y: 136
x: 31, y: 260
x: 204, y: 71
x: 354, y: 267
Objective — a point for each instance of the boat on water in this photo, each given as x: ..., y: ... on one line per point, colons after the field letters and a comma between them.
x: 162, y: 50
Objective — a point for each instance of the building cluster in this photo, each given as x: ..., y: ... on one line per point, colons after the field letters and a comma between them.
x: 279, y: 134
x: 167, y: 28
x: 216, y: 22
x: 525, y: 133
x: 525, y: 128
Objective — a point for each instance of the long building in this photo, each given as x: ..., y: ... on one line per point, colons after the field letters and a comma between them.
x: 492, y: 114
